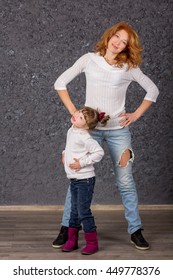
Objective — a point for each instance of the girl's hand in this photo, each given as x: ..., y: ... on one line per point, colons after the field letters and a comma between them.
x: 75, y: 165
x: 127, y: 119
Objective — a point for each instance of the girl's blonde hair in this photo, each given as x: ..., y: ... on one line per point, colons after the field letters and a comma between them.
x: 92, y: 117
x: 131, y: 54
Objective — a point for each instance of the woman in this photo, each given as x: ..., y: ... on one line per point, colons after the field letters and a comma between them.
x: 109, y: 71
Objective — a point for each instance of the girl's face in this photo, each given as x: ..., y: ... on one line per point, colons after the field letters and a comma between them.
x: 118, y: 42
x: 78, y: 120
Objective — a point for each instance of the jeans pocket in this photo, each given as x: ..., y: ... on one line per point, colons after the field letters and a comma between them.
x: 91, y: 181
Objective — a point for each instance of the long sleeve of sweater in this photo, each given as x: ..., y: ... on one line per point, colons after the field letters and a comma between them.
x: 146, y: 83
x: 67, y: 76
x: 94, y: 153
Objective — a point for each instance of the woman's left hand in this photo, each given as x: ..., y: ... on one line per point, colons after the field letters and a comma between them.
x: 127, y: 119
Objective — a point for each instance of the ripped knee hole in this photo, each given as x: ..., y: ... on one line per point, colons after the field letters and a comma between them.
x: 125, y: 157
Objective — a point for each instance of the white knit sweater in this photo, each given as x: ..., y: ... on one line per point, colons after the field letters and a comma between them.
x: 81, y: 145
x: 106, y: 85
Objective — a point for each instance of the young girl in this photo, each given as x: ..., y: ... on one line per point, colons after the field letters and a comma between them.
x: 81, y: 152
x: 109, y: 71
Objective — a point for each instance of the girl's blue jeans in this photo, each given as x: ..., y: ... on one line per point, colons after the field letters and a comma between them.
x: 81, y: 197
x: 118, y: 141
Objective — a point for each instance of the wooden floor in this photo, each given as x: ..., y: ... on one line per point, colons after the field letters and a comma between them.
x: 29, y: 234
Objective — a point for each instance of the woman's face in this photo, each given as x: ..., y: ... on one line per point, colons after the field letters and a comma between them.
x: 118, y: 42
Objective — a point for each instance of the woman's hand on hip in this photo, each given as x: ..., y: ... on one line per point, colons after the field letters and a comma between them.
x: 127, y: 118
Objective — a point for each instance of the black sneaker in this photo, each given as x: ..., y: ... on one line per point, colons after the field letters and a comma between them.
x: 61, y: 238
x: 138, y: 240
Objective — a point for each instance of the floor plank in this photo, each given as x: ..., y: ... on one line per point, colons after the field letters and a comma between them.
x: 29, y: 235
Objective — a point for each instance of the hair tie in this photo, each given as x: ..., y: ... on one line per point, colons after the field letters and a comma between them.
x: 101, y: 116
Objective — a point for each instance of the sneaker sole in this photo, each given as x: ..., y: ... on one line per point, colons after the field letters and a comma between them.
x: 140, y: 248
x: 57, y: 246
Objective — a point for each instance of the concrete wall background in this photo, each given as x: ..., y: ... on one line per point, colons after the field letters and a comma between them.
x: 39, y: 40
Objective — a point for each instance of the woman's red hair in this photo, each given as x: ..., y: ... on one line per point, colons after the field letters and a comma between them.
x: 131, y: 54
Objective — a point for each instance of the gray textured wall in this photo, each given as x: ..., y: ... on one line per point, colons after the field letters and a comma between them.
x: 39, y: 40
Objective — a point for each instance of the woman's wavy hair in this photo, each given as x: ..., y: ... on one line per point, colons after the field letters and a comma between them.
x: 131, y: 54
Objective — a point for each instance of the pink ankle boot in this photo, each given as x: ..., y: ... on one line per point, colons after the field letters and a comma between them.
x: 72, y: 242
x: 91, y: 243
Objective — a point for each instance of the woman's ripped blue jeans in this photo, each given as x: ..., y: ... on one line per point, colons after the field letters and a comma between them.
x: 118, y: 141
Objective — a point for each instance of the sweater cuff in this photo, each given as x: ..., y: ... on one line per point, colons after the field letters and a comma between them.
x: 82, y: 163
